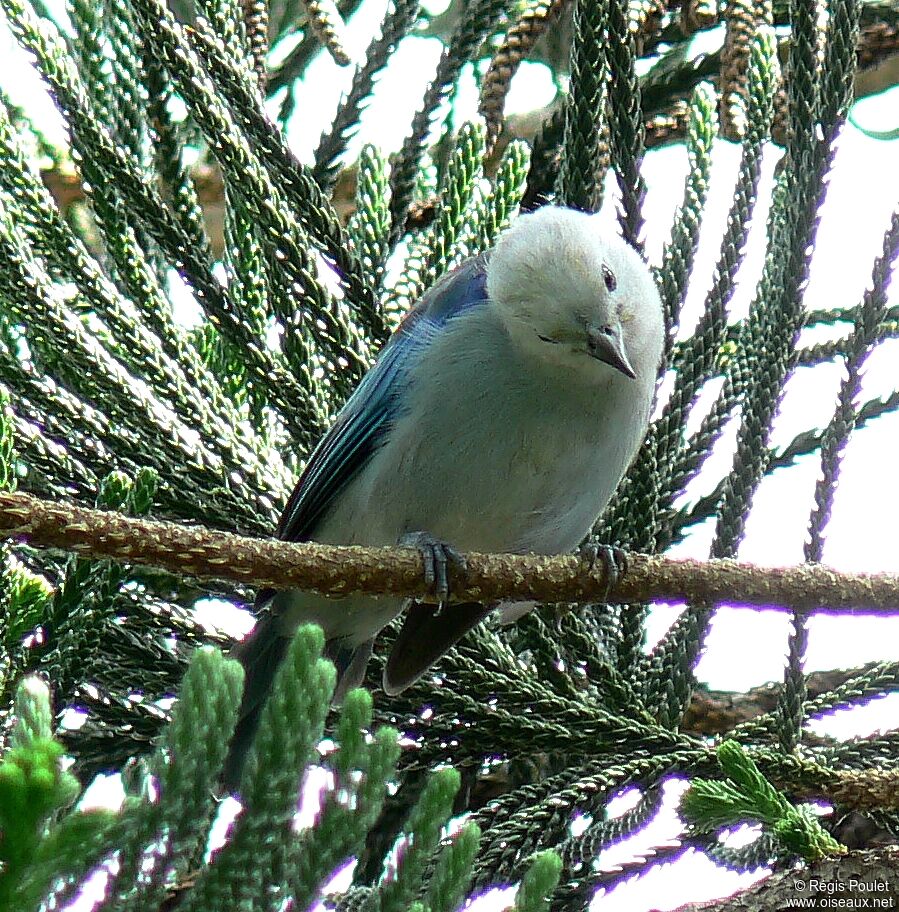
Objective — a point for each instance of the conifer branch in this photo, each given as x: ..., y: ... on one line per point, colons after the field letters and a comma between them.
x: 869, y: 789
x: 712, y: 712
x: 343, y: 570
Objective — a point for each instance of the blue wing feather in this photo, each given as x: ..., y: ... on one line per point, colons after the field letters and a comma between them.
x: 362, y: 423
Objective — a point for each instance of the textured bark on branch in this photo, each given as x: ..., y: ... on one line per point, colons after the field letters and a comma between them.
x: 862, y: 790
x: 340, y: 571
x: 712, y: 712
x: 859, y: 880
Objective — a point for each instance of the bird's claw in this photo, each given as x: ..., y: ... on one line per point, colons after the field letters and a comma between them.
x: 612, y: 558
x: 436, y: 556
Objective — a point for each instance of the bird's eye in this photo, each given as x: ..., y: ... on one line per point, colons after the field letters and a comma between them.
x: 609, y: 278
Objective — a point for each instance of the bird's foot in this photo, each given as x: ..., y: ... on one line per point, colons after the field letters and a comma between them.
x: 436, y: 555
x: 612, y: 558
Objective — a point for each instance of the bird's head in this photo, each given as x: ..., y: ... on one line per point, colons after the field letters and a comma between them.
x: 576, y: 296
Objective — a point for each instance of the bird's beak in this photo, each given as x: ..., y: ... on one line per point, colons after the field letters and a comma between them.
x: 608, y: 348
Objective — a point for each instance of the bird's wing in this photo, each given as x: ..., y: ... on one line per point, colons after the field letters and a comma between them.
x: 362, y: 423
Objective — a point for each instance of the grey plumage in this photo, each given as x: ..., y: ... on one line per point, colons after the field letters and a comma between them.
x: 500, y: 417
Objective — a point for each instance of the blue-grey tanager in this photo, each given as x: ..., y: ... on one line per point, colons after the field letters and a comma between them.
x: 499, y: 417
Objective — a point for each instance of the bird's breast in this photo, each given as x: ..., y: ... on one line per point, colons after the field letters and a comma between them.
x: 490, y: 455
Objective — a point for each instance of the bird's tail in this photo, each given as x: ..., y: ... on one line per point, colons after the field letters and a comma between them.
x: 260, y: 653
x: 350, y: 662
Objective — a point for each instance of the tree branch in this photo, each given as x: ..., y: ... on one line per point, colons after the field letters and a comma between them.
x: 859, y: 880
x: 712, y: 712
x: 866, y: 790
x: 341, y: 571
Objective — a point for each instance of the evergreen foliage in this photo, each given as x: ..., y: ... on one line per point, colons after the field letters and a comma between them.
x: 747, y: 795
x: 167, y: 818
x: 111, y: 397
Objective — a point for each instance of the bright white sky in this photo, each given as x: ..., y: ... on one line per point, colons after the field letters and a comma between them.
x: 745, y: 648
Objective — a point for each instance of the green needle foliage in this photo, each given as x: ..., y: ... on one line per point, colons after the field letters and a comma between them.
x: 185, y: 305
x: 47, y: 848
x: 34, y: 789
x: 710, y: 804
x: 538, y: 883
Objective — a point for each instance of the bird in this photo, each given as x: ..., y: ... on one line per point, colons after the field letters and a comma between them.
x: 500, y: 416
